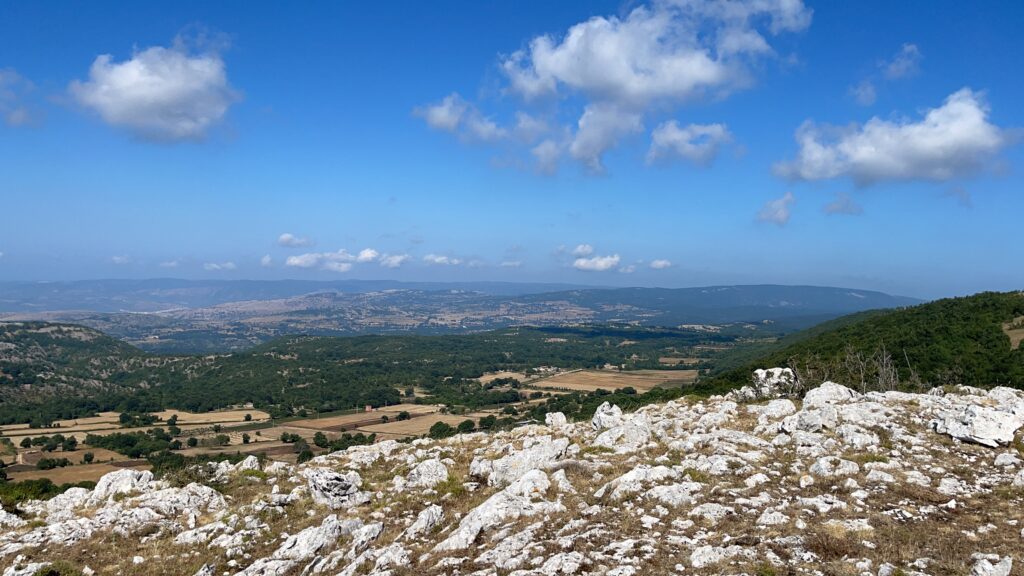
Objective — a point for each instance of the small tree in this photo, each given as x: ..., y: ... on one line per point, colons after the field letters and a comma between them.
x: 88, y: 457
x: 403, y: 415
x: 304, y: 456
x: 248, y: 417
x: 217, y: 428
x: 320, y: 439
x: 245, y: 439
x: 440, y: 430
x: 26, y: 442
x: 192, y: 442
x: 466, y: 426
x: 69, y: 444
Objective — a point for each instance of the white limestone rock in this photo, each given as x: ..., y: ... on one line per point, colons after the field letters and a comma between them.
x: 335, y: 490
x: 427, y: 474
x: 606, y: 416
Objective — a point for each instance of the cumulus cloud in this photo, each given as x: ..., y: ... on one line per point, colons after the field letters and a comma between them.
x: 453, y: 114
x: 583, y: 250
x: 777, y: 211
x: 673, y: 50
x: 289, y: 240
x: 843, y: 204
x: 119, y: 260
x: 394, y: 260
x: 697, y: 143
x: 339, y: 261
x: 905, y: 63
x: 217, y: 266
x: 367, y: 255
x: 266, y: 261
x: 660, y: 264
x: 14, y: 89
x: 596, y: 263
x: 952, y: 141
x: 628, y: 269
x: 439, y: 260
x: 599, y: 129
x: 161, y: 94
x: 657, y: 57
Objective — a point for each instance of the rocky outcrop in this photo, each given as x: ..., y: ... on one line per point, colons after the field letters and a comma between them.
x: 836, y: 482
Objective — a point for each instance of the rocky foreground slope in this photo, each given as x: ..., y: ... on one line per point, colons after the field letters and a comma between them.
x: 836, y: 483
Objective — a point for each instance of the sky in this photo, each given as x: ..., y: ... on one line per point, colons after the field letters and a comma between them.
x: 872, y: 145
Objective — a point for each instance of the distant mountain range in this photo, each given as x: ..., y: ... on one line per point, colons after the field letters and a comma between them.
x: 192, y: 316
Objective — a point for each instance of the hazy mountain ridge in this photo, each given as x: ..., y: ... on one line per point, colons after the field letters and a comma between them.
x: 230, y: 322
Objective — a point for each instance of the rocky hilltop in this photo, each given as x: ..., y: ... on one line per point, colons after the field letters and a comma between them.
x: 836, y: 482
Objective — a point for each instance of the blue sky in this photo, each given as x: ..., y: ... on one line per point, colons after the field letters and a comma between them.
x: 864, y: 144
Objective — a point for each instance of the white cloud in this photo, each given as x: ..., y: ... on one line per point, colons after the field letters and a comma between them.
x: 120, y: 260
x: 952, y: 141
x: 660, y: 264
x: 905, y: 63
x: 453, y: 114
x: 596, y: 263
x: 547, y: 154
x: 394, y: 260
x: 13, y: 91
x: 675, y: 50
x: 864, y: 93
x: 698, y: 143
x: 504, y: 264
x: 843, y: 204
x: 339, y: 261
x: 163, y: 94
x: 289, y: 240
x: 367, y: 255
x: 441, y: 260
x: 628, y: 269
x: 657, y: 57
x: 266, y: 261
x: 217, y: 266
x: 599, y: 129
x: 335, y: 266
x: 777, y: 211
x: 169, y: 264
x: 583, y: 250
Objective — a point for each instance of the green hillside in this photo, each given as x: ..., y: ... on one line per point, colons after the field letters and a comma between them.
x: 951, y: 341
x: 51, y: 371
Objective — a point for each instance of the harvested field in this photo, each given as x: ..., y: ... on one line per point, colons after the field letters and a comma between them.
x: 350, y: 421
x: 492, y: 376
x: 590, y: 380
x: 415, y: 427
x: 1015, y: 330
x: 73, y: 473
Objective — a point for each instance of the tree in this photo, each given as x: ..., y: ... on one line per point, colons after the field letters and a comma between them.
x: 217, y: 428
x: 245, y: 439
x: 320, y: 439
x: 384, y: 419
x: 440, y: 430
x: 248, y: 417
x: 69, y: 445
x: 304, y: 456
x: 403, y: 415
x: 26, y: 442
x: 488, y: 422
x: 192, y: 442
x: 88, y: 457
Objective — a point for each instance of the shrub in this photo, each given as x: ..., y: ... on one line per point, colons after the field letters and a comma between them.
x: 440, y: 430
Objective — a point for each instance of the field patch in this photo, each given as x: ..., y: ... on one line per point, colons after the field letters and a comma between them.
x: 590, y: 380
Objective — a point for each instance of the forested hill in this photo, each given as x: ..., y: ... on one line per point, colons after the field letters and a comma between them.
x: 972, y: 340
x: 50, y: 371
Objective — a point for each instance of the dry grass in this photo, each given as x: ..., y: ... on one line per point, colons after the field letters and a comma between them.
x: 590, y: 380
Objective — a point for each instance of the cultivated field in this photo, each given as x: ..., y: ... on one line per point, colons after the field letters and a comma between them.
x: 492, y: 376
x: 1015, y: 330
x: 415, y: 427
x: 590, y: 380
x: 350, y: 421
x: 70, y: 474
